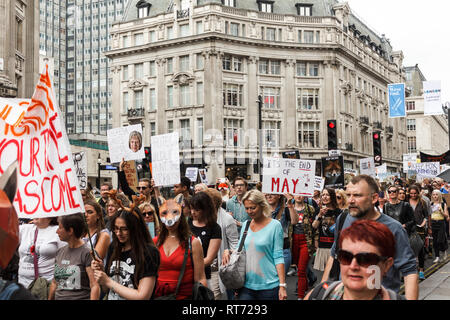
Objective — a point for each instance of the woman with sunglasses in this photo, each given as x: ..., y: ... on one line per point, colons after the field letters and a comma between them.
x: 341, y: 199
x: 367, y: 250
x: 325, y: 222
x: 399, y: 210
x: 150, y: 218
x: 133, y: 260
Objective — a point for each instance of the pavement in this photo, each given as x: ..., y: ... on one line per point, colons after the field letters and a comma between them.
x: 437, y: 285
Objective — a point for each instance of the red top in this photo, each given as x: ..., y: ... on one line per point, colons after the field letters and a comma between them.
x: 169, y: 271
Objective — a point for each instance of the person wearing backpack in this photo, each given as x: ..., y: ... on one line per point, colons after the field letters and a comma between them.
x: 362, y: 192
x: 365, y: 245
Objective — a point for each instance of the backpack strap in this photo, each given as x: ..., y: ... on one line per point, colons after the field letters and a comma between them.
x: 342, y: 219
x: 322, y: 291
x: 7, y: 290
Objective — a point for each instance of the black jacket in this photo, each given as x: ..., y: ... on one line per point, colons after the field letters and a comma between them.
x: 406, y: 216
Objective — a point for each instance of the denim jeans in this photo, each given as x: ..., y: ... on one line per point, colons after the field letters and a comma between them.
x: 248, y: 294
x: 287, y: 260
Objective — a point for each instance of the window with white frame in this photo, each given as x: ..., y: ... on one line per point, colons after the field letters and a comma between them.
x: 152, y: 128
x: 234, y: 29
x: 307, y: 99
x: 308, y: 134
x: 232, y: 94
x: 126, y: 41
x: 184, y: 30
x: 271, y: 134
x: 124, y: 73
x: 411, y: 124
x: 138, y: 99
x: 412, y: 145
x: 170, y: 126
x: 266, y: 6
x: 184, y: 95
x: 200, y: 93
x: 152, y: 69
x: 266, y: 66
x: 308, y: 36
x: 233, y: 132
x: 229, y: 3
x: 169, y: 31
x: 232, y: 63
x: 307, y: 69
x: 139, y: 71
x: 304, y: 10
x: 184, y: 63
x: 152, y: 99
x: 199, y: 27
x: 125, y: 101
x: 199, y: 60
x: 138, y: 39
x: 271, y: 97
x: 410, y: 106
x: 152, y: 36
x: 271, y: 34
x: 185, y: 134
x: 199, y: 128
x: 169, y: 65
x: 170, y: 96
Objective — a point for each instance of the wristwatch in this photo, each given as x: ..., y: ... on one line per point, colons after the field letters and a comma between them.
x: 284, y: 285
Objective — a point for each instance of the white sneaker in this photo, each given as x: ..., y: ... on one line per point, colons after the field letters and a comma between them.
x: 436, y: 260
x: 292, y: 272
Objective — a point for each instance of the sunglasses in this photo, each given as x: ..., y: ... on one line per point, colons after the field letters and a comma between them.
x: 391, y: 191
x: 339, y: 197
x: 364, y: 259
x: 142, y: 188
x: 148, y: 213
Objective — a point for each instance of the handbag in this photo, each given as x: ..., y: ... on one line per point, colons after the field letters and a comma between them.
x: 416, y: 243
x: 40, y: 286
x: 199, y: 291
x: 335, y: 270
x: 233, y: 273
x: 173, y: 296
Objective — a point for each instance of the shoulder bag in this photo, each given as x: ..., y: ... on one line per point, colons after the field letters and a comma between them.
x: 40, y: 286
x: 199, y: 291
x: 336, y: 268
x: 233, y: 273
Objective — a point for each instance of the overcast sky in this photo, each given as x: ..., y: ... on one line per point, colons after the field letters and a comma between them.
x: 421, y: 29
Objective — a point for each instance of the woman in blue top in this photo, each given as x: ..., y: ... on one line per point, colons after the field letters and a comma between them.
x: 265, y: 276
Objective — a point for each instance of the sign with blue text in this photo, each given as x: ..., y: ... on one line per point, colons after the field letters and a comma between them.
x: 397, y: 106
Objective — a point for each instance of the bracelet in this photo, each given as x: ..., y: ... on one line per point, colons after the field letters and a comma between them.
x: 318, y: 218
x: 283, y: 285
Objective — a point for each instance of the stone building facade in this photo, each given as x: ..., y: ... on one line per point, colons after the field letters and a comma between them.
x: 199, y: 66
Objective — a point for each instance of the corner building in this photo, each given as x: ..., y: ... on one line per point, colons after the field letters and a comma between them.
x: 198, y: 67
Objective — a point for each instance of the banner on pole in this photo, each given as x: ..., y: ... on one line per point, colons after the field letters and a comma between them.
x: 432, y: 98
x: 397, y: 105
x: 292, y: 176
x: 33, y: 133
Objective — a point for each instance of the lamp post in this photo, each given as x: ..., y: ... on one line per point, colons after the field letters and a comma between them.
x: 99, y: 161
x: 446, y: 108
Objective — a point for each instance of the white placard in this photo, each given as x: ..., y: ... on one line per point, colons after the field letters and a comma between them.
x: 432, y: 98
x: 319, y: 183
x: 292, y: 176
x: 367, y: 166
x: 426, y: 169
x: 166, y: 159
x: 408, y: 161
x: 192, y: 173
x: 203, y: 178
x: 126, y: 142
x: 80, y: 164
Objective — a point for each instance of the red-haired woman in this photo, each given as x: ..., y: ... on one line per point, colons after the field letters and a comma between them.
x: 367, y: 250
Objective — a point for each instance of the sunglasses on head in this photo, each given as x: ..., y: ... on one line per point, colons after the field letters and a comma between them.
x: 364, y: 259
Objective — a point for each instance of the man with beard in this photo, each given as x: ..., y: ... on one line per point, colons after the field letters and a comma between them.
x: 362, y: 193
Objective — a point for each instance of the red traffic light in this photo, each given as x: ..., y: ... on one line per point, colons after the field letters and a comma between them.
x: 331, y: 125
x: 376, y: 136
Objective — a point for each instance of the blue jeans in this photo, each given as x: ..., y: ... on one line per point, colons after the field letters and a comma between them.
x: 287, y: 254
x: 249, y: 294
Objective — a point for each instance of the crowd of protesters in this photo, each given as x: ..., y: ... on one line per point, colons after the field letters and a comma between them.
x: 130, y: 244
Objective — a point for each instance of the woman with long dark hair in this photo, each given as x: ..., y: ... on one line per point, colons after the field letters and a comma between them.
x: 99, y: 235
x: 133, y: 260
x: 203, y: 224
x: 172, y: 242
x: 325, y: 222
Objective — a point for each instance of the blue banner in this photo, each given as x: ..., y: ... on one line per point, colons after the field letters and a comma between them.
x: 397, y: 105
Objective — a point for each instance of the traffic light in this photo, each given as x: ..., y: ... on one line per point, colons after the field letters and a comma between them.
x: 332, y: 135
x: 148, y: 158
x: 377, y: 148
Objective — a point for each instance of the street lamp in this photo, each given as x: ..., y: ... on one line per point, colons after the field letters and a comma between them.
x: 99, y: 161
x: 446, y: 109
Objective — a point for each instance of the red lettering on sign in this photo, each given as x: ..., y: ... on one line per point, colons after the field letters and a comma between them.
x: 43, y: 195
x: 276, y: 181
x: 285, y: 186
x: 295, y: 185
x: 34, y: 195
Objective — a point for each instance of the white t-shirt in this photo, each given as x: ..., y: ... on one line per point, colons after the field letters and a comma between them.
x: 47, y: 244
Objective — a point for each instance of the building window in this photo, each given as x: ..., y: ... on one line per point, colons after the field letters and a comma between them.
x: 271, y: 97
x: 199, y: 27
x: 199, y: 135
x: 269, y: 67
x: 184, y: 95
x: 308, y: 36
x: 184, y: 63
x: 125, y: 101
x: 412, y: 146
x: 266, y: 6
x: 184, y: 30
x: 169, y: 33
x: 170, y: 96
x: 152, y: 99
x: 169, y: 65
x: 411, y: 124
x: 199, y: 60
x: 152, y: 129
x: 233, y: 132
x: 143, y: 8
x: 185, y: 134
x: 232, y: 94
x: 307, y: 99
x: 152, y: 36
x: 271, y: 134
x: 170, y: 126
x: 270, y: 34
x: 138, y: 39
x: 308, y: 134
x: 234, y: 29
x: 229, y: 3
x: 231, y: 63
x: 304, y: 10
x: 200, y: 93
x: 139, y: 71
x: 152, y: 69
x: 307, y: 69
x: 138, y: 99
x: 124, y: 73
x: 301, y: 69
x: 410, y: 105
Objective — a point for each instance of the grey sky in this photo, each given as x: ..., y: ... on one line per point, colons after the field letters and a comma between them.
x: 420, y: 29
